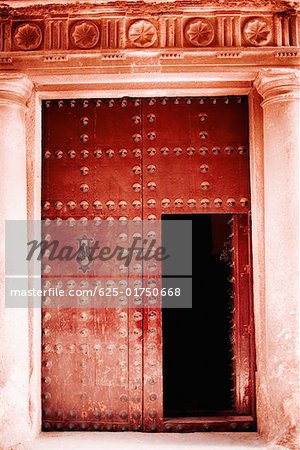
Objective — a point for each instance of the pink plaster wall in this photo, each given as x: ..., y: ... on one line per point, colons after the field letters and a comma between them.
x: 281, y: 172
x: 14, y: 349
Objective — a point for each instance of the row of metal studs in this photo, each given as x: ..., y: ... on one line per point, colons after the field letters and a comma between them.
x: 123, y: 102
x: 151, y: 152
x: 179, y: 203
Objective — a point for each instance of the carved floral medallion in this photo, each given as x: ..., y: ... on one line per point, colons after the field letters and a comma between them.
x: 85, y: 35
x: 199, y: 32
x: 28, y: 36
x: 257, y: 31
x: 142, y: 33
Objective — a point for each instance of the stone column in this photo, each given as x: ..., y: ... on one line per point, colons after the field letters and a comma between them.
x: 280, y: 380
x: 14, y: 349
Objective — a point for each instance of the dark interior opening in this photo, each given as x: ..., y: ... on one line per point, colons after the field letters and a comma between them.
x: 197, y: 357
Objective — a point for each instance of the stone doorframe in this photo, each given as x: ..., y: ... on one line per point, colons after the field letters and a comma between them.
x: 274, y: 147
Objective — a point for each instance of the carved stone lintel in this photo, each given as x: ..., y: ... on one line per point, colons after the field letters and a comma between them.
x: 196, y: 29
x: 278, y: 85
x: 14, y: 88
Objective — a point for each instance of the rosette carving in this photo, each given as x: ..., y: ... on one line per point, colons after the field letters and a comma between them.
x: 85, y: 35
x: 199, y: 32
x: 28, y: 36
x: 257, y: 31
x: 142, y: 33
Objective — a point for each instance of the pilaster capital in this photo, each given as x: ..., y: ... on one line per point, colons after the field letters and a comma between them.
x: 278, y: 85
x: 15, y: 88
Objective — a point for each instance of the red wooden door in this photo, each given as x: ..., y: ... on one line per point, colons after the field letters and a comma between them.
x: 123, y: 161
x: 196, y: 160
x: 92, y: 357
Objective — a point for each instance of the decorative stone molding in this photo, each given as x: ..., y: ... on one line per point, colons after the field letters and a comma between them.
x: 257, y: 31
x: 171, y: 55
x: 15, y: 88
x: 56, y: 58
x: 278, y: 85
x: 229, y: 54
x: 7, y: 60
x: 199, y: 32
x: 106, y: 35
x: 143, y: 6
x: 142, y: 33
x: 113, y: 56
x: 28, y: 36
x: 193, y: 30
x: 287, y: 54
x: 85, y: 34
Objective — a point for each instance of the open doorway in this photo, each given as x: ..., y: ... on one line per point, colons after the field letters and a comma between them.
x: 197, y: 354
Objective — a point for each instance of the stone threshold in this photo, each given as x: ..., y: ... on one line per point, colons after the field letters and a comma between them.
x: 147, y: 441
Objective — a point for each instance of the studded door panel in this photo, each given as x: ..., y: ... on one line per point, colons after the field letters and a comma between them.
x: 195, y: 160
x: 199, y: 148
x: 92, y: 357
x: 114, y: 160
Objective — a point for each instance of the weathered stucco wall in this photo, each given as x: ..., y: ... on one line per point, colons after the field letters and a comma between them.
x: 281, y: 178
